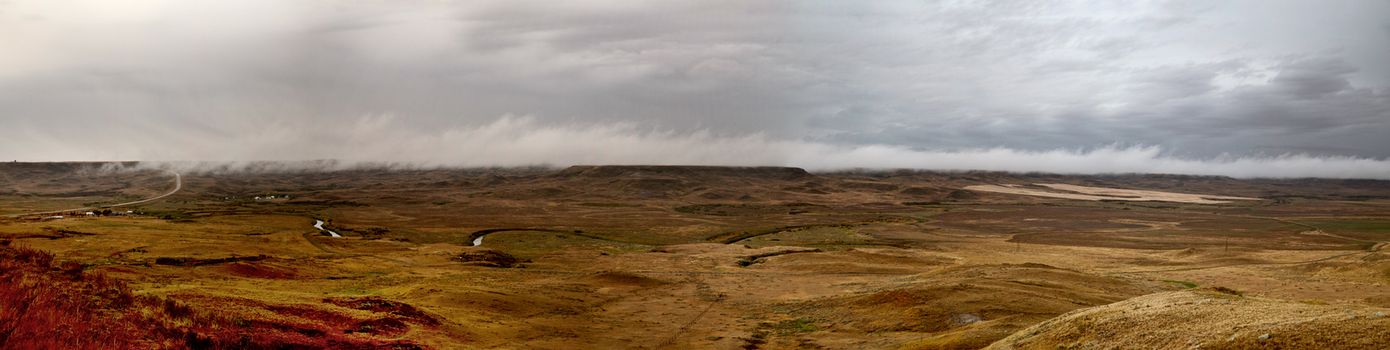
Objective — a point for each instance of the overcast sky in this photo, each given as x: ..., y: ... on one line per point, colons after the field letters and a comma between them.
x: 831, y: 84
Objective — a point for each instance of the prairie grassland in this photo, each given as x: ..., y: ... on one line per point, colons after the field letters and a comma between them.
x: 693, y: 257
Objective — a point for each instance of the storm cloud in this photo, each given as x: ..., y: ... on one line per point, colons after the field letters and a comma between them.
x: 1241, y: 88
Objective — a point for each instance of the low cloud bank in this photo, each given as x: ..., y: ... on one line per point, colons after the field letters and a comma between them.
x: 1106, y: 160
x: 380, y: 142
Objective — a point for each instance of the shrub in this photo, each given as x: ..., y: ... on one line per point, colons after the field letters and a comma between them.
x: 1225, y: 290
x: 48, y: 306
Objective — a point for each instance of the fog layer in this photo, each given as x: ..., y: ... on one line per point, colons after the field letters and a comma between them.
x: 380, y: 142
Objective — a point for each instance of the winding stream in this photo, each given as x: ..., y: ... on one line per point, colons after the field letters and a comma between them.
x: 318, y: 224
x: 478, y: 235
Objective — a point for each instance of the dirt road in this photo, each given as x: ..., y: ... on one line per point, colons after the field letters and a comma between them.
x: 178, y: 185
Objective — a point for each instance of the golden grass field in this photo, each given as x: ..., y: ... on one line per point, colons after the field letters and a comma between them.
x: 732, y: 258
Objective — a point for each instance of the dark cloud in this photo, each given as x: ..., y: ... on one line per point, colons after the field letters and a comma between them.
x: 249, y: 80
x: 1313, y: 79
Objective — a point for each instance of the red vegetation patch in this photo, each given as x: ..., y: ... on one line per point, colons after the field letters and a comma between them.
x: 304, y: 315
x: 260, y: 270
x: 43, y: 306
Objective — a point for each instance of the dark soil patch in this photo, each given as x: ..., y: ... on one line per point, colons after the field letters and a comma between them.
x: 757, y: 258
x: 260, y: 270
x: 922, y: 191
x: 50, y: 233
x: 732, y: 237
x: 962, y: 195
x: 624, y: 278
x: 185, y: 261
x: 489, y: 258
x: 747, y: 209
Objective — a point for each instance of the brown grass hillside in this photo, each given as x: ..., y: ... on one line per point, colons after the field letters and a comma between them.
x: 1208, y: 319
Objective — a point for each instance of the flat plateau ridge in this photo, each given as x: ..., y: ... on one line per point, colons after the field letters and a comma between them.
x: 688, y: 257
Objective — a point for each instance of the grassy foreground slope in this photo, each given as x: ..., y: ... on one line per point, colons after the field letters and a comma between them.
x: 1208, y: 319
x: 48, y: 306
x: 656, y: 257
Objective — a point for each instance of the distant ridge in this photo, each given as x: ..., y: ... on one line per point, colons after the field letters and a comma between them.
x: 608, y: 171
